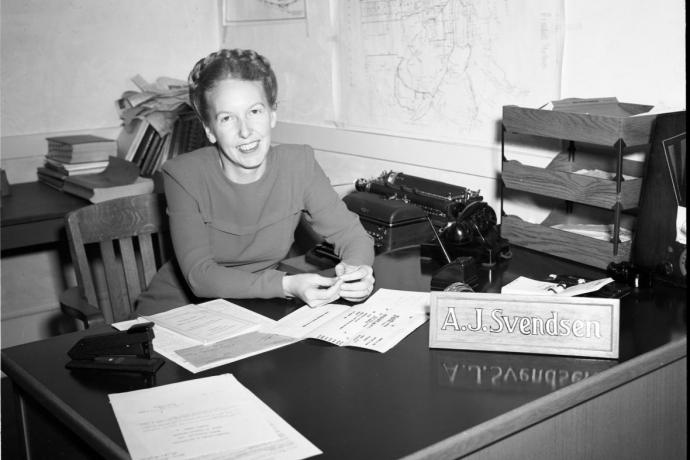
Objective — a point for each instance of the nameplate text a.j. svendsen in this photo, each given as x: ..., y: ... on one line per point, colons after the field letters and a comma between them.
x: 495, y: 321
x: 574, y: 326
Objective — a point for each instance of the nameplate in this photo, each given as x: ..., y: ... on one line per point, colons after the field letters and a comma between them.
x: 552, y: 325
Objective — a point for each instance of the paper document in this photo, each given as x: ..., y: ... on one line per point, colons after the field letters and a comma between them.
x: 378, y: 324
x: 211, y: 321
x: 197, y: 357
x: 602, y: 232
x: 528, y: 286
x: 203, y: 357
x: 211, y: 418
x: 168, y: 340
x: 601, y: 174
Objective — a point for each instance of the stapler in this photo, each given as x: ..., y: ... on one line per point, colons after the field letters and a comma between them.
x: 121, y: 351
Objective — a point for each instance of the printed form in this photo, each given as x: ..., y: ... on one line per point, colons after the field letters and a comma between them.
x: 378, y: 324
x: 210, y: 418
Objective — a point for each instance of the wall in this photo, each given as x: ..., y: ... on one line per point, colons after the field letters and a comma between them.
x: 630, y: 49
x: 64, y: 63
x: 62, y: 56
x: 634, y: 50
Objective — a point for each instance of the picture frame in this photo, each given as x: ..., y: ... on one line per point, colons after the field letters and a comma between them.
x: 262, y: 11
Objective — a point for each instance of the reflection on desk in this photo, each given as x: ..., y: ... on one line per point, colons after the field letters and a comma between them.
x: 514, y: 372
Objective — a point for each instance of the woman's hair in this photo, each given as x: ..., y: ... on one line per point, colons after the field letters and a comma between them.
x: 239, y: 64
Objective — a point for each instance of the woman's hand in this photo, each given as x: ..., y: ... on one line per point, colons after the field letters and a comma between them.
x: 315, y: 290
x: 358, y: 281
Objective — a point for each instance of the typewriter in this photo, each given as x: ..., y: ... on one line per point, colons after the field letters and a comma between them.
x: 400, y: 210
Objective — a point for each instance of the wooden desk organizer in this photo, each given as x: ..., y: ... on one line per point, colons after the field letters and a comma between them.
x: 620, y: 134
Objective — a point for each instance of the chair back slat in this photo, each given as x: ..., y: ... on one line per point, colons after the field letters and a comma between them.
x: 122, y: 229
x: 148, y: 257
x: 131, y: 271
x: 113, y: 280
x: 82, y: 268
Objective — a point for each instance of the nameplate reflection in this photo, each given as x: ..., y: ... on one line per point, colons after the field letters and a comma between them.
x: 532, y: 373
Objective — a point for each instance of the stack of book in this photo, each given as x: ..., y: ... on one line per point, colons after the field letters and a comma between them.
x: 120, y: 178
x: 158, y: 124
x: 74, y: 155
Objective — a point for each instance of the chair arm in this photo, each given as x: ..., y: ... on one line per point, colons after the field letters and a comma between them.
x: 74, y: 305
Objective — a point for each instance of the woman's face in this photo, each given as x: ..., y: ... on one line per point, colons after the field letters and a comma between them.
x: 240, y: 120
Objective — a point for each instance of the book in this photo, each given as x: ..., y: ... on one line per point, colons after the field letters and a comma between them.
x: 81, y: 143
x: 140, y: 186
x: 143, y: 144
x: 131, y: 137
x: 162, y: 155
x: 151, y: 153
x: 79, y: 157
x: 120, y: 178
x: 50, y: 180
x: 147, y: 139
x: 194, y: 135
x: 70, y: 169
x: 55, y: 174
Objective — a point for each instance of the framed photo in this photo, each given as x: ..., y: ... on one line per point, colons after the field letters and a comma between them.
x: 240, y: 11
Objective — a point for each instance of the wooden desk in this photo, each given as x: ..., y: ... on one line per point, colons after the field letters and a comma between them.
x: 417, y: 402
x: 34, y: 214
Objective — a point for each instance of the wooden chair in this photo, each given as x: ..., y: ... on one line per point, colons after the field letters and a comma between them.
x: 117, y: 247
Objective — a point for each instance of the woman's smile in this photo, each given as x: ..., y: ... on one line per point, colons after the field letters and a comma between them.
x: 248, y: 148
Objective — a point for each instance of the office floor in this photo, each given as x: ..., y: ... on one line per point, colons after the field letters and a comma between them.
x: 57, y: 444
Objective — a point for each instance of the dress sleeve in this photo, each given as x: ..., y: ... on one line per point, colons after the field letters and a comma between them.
x: 190, y: 238
x: 329, y: 217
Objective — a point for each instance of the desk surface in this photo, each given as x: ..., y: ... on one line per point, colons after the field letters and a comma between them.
x: 36, y: 201
x: 353, y: 403
x: 34, y: 214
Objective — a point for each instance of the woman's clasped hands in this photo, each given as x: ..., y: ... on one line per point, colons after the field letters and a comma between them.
x: 352, y: 282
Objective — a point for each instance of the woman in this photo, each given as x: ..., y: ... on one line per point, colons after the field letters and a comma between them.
x: 234, y: 206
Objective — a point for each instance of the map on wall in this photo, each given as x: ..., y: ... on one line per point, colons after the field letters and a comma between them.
x: 443, y: 69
